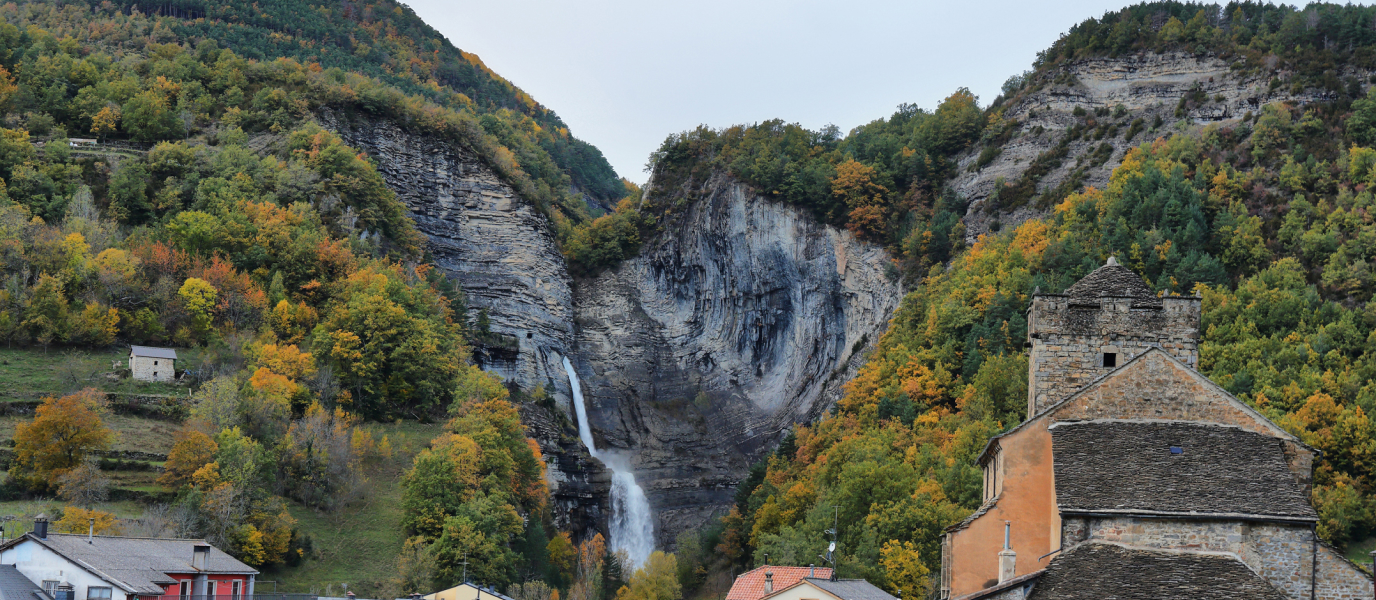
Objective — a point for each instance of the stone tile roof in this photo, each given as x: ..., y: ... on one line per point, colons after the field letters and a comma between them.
x: 1112, y: 280
x: 153, y: 352
x: 15, y: 586
x: 850, y: 589
x: 139, y: 565
x: 750, y: 584
x: 1095, y: 571
x: 1028, y: 580
x: 1132, y: 467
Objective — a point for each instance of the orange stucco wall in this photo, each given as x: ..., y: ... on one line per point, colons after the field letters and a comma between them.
x: 1028, y: 501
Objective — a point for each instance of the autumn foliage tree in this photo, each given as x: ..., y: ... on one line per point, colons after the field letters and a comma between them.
x: 63, y: 432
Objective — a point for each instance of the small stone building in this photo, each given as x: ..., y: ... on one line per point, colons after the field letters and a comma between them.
x: 1134, y: 476
x: 147, y: 363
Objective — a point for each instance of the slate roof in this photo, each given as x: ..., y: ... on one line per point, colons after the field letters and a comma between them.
x: 1028, y: 579
x: 1112, y: 280
x: 850, y: 589
x: 1129, y: 467
x: 138, y: 565
x: 750, y: 584
x: 15, y: 586
x: 1098, y: 570
x: 153, y: 352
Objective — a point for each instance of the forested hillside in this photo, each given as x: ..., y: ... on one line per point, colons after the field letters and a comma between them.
x: 212, y: 213
x: 1268, y: 217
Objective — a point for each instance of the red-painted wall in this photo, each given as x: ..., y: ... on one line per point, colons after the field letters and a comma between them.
x: 223, y: 586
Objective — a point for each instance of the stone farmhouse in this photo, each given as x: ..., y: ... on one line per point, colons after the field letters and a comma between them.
x: 1134, y: 476
x: 147, y: 363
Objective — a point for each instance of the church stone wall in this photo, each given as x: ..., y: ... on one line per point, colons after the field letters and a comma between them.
x: 1069, y: 339
x: 1339, y: 579
x: 1280, y: 553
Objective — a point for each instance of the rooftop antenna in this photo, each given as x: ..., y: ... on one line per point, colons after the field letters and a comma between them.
x: 830, y: 556
x: 465, y: 567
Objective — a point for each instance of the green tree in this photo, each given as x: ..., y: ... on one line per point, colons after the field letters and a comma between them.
x: 656, y: 580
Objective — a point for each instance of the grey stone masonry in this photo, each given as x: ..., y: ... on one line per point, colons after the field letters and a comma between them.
x: 1282, y: 554
x: 1071, y: 338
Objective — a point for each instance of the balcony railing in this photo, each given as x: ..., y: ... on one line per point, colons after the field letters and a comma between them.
x: 259, y: 596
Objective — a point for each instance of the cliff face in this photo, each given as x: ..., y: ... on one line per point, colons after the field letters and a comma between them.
x: 742, y: 318
x: 1147, y: 86
x: 504, y: 256
x: 499, y: 247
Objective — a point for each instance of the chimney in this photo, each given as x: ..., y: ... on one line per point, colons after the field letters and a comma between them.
x: 199, y: 553
x: 40, y: 526
x: 768, y: 582
x: 812, y: 568
x: 1008, y: 559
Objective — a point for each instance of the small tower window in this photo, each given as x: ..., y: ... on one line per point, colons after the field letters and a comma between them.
x: 529, y: 335
x: 1110, y: 359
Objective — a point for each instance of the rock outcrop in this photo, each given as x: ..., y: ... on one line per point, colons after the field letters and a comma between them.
x: 579, y: 484
x: 1147, y: 86
x: 741, y: 319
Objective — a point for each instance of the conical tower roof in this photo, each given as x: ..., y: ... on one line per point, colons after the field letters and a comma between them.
x: 1112, y: 280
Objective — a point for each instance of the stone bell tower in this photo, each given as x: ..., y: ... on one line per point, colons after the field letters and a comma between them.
x: 1096, y: 326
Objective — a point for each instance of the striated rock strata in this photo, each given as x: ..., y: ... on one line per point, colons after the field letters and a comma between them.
x: 499, y: 247
x: 1147, y: 86
x: 741, y: 319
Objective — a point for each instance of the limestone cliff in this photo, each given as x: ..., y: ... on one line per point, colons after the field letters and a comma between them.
x: 743, y: 317
x: 502, y: 253
x: 740, y: 318
x: 499, y: 247
x: 1147, y: 86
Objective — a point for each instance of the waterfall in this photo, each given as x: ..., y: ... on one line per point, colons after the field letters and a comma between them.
x: 631, y: 524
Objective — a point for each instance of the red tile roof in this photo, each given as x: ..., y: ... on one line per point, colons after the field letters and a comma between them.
x: 750, y: 585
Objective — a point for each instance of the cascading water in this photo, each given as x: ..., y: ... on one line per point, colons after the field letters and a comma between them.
x: 632, y: 528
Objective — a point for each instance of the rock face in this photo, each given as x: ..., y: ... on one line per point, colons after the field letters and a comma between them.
x: 579, y: 484
x: 502, y: 253
x: 741, y: 319
x: 1147, y: 86
x: 499, y: 247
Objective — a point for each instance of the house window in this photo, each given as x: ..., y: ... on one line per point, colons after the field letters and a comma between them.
x: 1110, y: 359
x: 185, y: 590
x: 50, y: 586
x: 236, y: 588
x: 155, y: 363
x: 97, y: 593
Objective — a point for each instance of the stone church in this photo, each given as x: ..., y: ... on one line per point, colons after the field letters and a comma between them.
x: 1134, y: 476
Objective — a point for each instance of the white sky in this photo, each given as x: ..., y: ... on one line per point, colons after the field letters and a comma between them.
x: 624, y: 74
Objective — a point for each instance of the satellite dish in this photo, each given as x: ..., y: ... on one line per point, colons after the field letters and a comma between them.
x: 832, y: 547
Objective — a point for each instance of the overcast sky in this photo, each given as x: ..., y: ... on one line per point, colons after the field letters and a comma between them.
x: 623, y: 74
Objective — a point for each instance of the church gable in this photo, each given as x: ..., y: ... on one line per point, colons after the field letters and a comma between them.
x: 1155, y: 385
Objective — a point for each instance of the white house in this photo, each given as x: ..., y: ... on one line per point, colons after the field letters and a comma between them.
x: 148, y: 363
x: 101, y: 567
